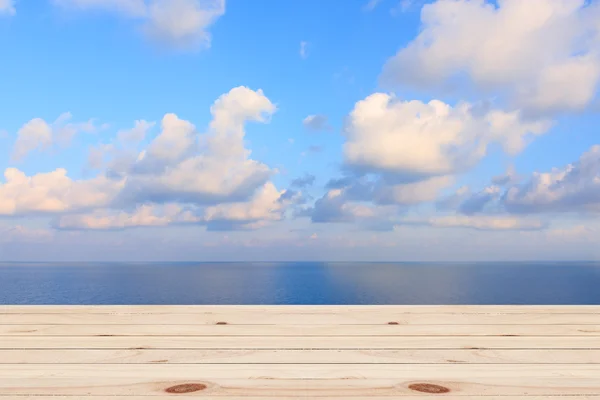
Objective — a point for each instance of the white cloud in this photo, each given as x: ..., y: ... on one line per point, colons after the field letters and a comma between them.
x: 373, y: 204
x: 353, y: 203
x: 175, y: 142
x: 303, y: 50
x: 333, y: 207
x: 144, y: 216
x: 37, y: 134
x: 414, y: 140
x: 33, y: 135
x: 178, y: 166
x: 121, y: 151
x: 413, y: 193
x: 97, y: 155
x: 181, y: 166
x: 485, y: 222
x: 453, y: 201
x: 265, y: 206
x: 477, y: 202
x: 53, y: 192
x: 508, y: 178
x: 183, y: 23
x: 7, y: 7
x: 575, y: 187
x: 316, y: 123
x: 544, y: 54
x: 178, y: 23
x: 136, y: 134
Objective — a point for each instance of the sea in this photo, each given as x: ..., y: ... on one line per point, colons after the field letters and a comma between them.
x: 300, y: 283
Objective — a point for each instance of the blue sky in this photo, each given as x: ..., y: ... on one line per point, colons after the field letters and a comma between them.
x: 399, y: 116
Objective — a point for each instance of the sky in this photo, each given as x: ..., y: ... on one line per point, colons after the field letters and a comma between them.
x: 342, y: 130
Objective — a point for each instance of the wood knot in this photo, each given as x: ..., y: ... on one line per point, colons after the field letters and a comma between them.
x: 393, y: 323
x: 221, y: 323
x: 186, y: 388
x: 428, y: 388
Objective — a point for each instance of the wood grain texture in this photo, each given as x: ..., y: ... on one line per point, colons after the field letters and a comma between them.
x: 293, y: 352
x: 272, y: 380
x: 220, y: 397
x: 300, y: 342
x: 300, y: 309
x: 299, y: 330
x: 299, y: 356
x: 271, y: 318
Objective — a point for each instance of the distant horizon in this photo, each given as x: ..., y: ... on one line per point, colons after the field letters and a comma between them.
x: 317, y: 283
x: 304, y: 262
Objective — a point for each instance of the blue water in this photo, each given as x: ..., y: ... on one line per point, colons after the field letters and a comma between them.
x: 301, y: 283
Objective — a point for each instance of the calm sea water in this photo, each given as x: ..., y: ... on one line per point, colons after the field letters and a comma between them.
x: 301, y: 283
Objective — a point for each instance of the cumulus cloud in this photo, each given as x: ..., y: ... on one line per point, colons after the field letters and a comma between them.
x: 177, y: 23
x: 210, y: 175
x: 412, y: 193
x: 121, y: 152
x: 97, y: 155
x: 508, y: 178
x: 7, y: 7
x: 453, y: 201
x: 180, y: 166
x: 476, y: 203
x: 183, y: 23
x: 37, y: 134
x: 316, y: 123
x: 263, y: 207
x: 575, y: 187
x: 136, y: 134
x: 335, y: 206
x: 412, y: 140
x: 542, y: 54
x: 371, y: 201
x: 53, y: 192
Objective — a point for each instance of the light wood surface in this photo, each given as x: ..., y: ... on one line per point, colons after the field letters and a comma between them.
x: 293, y: 352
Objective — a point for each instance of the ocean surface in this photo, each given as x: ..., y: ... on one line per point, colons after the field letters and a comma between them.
x: 300, y: 283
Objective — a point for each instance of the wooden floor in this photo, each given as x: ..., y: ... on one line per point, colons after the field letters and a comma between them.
x: 291, y: 352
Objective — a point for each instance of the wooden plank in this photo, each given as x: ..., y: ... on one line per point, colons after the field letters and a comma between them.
x: 300, y: 330
x: 300, y: 342
x: 319, y: 380
x: 300, y: 309
x: 300, y: 356
x: 257, y: 318
x: 218, y: 397
x: 283, y: 352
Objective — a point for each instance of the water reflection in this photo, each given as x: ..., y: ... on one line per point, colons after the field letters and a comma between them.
x: 300, y: 283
